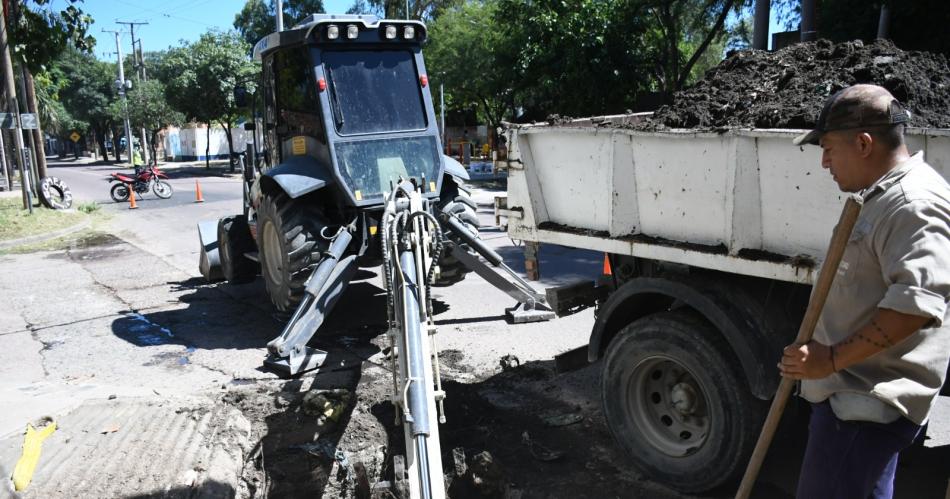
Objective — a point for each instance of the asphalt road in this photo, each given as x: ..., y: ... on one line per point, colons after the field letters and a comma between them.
x: 79, y: 347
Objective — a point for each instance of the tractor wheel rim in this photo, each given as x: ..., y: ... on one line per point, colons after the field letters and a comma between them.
x: 272, y: 257
x: 668, y: 405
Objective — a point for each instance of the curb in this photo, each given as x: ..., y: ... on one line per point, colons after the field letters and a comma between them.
x: 38, y: 238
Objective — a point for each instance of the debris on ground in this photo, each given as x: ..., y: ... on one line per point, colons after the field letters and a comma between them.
x: 540, y: 452
x: 564, y: 419
x: 786, y: 88
x: 483, y: 477
x: 509, y: 362
x: 327, y: 406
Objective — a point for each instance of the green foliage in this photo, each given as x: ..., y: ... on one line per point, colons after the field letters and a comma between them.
x: 147, y: 107
x: 465, y: 51
x: 257, y: 19
x: 83, y: 86
x: 425, y: 10
x: 39, y: 34
x: 202, y: 76
x: 89, y: 207
x: 585, y: 57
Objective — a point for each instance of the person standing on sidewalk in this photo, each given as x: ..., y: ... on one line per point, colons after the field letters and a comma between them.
x: 881, y: 348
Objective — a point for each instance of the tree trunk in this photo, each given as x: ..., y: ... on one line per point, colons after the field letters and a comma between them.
x: 227, y: 130
x: 38, y: 142
x: 101, y: 139
x: 154, y: 146
x: 115, y: 145
x: 208, y: 148
x: 715, y: 31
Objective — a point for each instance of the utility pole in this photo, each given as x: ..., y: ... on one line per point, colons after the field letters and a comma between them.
x: 122, y: 88
x: 10, y: 90
x: 140, y: 73
x: 760, y: 25
x: 279, y: 16
x: 808, y: 29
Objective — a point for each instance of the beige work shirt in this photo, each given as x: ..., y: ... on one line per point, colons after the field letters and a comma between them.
x: 898, y: 258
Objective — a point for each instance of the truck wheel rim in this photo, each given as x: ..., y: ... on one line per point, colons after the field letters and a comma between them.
x: 272, y: 256
x: 668, y: 405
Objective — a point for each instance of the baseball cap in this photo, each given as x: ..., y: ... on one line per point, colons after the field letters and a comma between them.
x: 857, y: 106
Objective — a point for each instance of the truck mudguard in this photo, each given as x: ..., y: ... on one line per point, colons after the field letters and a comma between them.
x: 299, y: 175
x: 741, y: 319
x: 454, y: 168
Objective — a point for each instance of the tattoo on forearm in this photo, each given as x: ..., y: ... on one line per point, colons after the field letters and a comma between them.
x: 858, y: 336
x: 886, y: 337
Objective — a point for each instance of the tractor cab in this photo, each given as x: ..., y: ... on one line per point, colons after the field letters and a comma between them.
x: 346, y: 101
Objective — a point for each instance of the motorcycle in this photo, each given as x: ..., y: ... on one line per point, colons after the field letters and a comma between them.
x: 148, y: 178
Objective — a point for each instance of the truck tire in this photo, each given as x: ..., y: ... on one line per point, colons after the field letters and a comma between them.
x: 289, y: 244
x: 677, y: 403
x: 459, y: 202
x: 234, y: 240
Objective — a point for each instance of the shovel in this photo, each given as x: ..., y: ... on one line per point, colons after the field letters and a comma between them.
x: 839, y: 240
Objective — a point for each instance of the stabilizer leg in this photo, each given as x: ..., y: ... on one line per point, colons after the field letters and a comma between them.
x: 531, y: 306
x: 289, y: 353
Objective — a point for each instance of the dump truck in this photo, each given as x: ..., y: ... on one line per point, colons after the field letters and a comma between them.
x: 713, y: 240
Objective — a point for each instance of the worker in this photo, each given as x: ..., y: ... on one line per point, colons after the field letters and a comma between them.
x: 881, y: 347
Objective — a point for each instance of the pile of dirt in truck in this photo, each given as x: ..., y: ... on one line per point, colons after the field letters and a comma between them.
x: 786, y: 88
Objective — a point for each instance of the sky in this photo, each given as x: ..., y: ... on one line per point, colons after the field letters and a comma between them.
x: 173, y: 20
x: 169, y: 20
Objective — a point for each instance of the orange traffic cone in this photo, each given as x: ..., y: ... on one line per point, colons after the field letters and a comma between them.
x: 132, y: 205
x: 607, y: 270
x: 198, y: 197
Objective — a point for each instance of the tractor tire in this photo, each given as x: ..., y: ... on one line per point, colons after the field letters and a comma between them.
x: 55, y: 194
x: 234, y: 240
x: 459, y: 202
x: 677, y: 402
x: 289, y: 245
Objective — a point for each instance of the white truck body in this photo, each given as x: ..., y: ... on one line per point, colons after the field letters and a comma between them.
x: 744, y: 201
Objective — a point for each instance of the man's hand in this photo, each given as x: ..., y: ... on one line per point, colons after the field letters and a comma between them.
x: 809, y: 361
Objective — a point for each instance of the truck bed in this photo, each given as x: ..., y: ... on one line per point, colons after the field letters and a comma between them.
x: 744, y: 201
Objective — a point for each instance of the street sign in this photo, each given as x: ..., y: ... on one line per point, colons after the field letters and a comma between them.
x: 27, y: 121
x: 74, y: 136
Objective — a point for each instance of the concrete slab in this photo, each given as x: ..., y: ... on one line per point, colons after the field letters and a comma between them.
x: 47, y: 288
x: 175, y: 448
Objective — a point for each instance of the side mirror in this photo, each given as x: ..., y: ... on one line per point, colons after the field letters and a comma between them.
x: 240, y: 96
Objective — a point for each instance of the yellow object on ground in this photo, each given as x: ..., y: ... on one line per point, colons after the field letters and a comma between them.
x: 32, y: 445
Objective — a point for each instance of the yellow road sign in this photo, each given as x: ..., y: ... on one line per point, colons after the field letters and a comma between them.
x: 74, y: 137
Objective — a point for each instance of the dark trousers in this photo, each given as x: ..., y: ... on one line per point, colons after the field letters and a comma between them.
x: 851, y: 459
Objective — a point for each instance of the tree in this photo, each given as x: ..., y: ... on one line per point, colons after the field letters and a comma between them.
x: 85, y: 88
x: 38, y: 35
x: 425, y: 10
x: 578, y: 58
x: 683, y: 32
x: 257, y: 19
x: 149, y: 109
x: 466, y: 48
x: 206, y: 73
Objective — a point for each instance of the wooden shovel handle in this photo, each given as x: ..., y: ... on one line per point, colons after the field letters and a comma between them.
x: 839, y: 241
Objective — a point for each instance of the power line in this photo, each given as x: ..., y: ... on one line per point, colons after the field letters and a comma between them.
x: 170, y: 16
